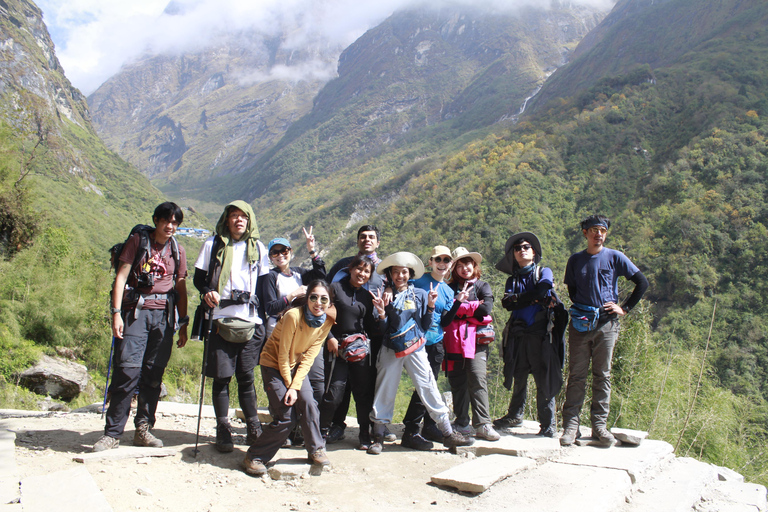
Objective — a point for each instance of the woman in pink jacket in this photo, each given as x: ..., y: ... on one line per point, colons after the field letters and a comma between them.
x: 465, y: 359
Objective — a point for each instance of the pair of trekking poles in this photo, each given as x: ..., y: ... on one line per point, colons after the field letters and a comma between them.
x: 206, y: 324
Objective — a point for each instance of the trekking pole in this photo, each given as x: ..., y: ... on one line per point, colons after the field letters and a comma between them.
x: 208, y: 325
x: 106, y: 385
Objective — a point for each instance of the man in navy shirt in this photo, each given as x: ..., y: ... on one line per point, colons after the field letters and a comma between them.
x: 591, y: 276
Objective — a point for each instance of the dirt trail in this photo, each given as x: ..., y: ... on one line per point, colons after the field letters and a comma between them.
x: 398, y: 479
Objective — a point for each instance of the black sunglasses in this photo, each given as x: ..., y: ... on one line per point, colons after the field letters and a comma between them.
x: 445, y: 259
x: 522, y: 247
x: 284, y: 251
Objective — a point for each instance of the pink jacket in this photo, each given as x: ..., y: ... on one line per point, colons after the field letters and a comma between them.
x: 459, y: 336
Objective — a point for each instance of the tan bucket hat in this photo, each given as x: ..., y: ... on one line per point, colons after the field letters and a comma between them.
x: 402, y: 259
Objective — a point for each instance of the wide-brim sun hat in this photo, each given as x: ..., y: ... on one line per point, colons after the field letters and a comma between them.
x: 508, y: 263
x: 402, y: 259
x: 462, y: 252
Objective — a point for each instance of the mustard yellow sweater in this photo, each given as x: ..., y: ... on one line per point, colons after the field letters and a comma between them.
x: 293, y: 343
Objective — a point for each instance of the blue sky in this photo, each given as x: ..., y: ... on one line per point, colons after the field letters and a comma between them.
x: 94, y: 38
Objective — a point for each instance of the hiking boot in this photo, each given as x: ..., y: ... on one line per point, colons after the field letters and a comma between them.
x: 377, y: 446
x: 432, y: 433
x: 457, y: 439
x: 569, y: 437
x: 253, y: 429
x: 486, y: 432
x: 467, y: 431
x: 414, y: 441
x: 389, y: 437
x: 602, y: 435
x: 547, y: 432
x: 143, y: 437
x: 507, y: 422
x: 224, y: 442
x: 335, y: 433
x: 365, y: 441
x: 254, y: 467
x: 105, y: 443
x: 319, y: 458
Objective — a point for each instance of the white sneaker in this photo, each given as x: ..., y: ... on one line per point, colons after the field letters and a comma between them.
x: 486, y: 432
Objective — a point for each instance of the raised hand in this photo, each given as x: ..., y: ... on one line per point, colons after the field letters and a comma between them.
x: 310, y: 239
x: 432, y: 297
x: 463, y: 295
x: 379, y: 302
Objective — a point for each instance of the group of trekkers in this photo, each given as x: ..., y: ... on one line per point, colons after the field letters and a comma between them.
x: 320, y: 337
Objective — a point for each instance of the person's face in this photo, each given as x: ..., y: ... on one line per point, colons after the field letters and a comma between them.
x: 367, y: 242
x: 441, y: 265
x: 465, y: 268
x: 318, y: 300
x: 165, y: 229
x: 596, y: 236
x: 524, y: 253
x: 281, y: 256
x: 400, y: 276
x: 237, y: 222
x: 359, y: 275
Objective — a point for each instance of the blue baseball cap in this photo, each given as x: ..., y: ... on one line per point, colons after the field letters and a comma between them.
x: 279, y: 241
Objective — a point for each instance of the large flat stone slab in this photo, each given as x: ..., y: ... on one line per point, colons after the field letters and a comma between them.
x: 480, y: 474
x: 517, y: 445
x: 125, y: 452
x: 9, y: 474
x: 552, y: 487
x: 676, y: 488
x: 731, y: 496
x: 71, y: 490
x: 637, y: 461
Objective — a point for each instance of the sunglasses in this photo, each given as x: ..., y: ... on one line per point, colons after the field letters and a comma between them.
x: 522, y: 247
x: 285, y: 251
x: 322, y: 299
x: 597, y: 229
x: 444, y: 259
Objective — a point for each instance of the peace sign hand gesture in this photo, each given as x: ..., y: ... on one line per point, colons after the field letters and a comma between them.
x: 463, y: 295
x: 310, y: 239
x: 379, y: 302
x: 432, y: 297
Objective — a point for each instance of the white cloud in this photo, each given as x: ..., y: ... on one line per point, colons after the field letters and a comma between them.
x: 94, y: 38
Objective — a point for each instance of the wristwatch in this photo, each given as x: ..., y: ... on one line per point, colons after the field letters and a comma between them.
x: 114, y: 310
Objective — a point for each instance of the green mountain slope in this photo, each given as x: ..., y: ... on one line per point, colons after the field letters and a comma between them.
x: 64, y: 200
x: 410, y: 90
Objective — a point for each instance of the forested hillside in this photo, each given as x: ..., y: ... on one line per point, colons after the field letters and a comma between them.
x: 64, y: 200
x: 659, y: 122
x: 674, y: 150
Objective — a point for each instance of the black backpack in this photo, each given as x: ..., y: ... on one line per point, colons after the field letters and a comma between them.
x: 143, y: 250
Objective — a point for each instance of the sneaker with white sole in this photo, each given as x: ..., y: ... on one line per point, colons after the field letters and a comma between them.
x: 486, y: 432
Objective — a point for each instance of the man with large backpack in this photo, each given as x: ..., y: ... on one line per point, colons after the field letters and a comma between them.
x: 229, y: 272
x: 591, y: 276
x: 148, y: 298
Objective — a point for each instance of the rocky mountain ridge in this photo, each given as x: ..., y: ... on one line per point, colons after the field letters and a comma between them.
x: 192, y: 128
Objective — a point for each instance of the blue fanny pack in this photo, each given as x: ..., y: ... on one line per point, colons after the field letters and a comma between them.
x: 584, y: 318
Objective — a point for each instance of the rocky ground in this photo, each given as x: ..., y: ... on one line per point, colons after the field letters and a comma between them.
x: 522, y: 471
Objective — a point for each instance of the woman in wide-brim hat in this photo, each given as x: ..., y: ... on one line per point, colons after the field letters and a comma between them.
x: 407, y: 316
x: 527, y: 347
x: 466, y: 361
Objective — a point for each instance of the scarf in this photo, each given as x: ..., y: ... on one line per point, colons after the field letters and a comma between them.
x: 250, y: 237
x: 312, y: 320
x: 399, y: 301
x: 524, y: 271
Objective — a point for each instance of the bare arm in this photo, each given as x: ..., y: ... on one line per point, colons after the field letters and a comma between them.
x: 117, y: 298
